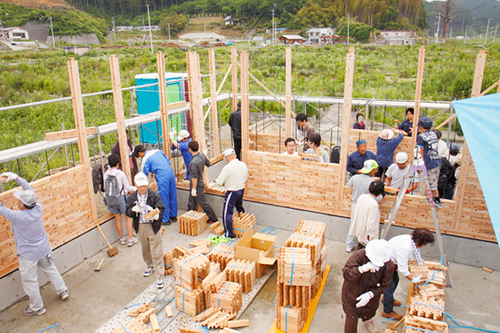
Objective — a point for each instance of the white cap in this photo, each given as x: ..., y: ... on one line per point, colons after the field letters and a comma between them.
x: 229, y: 151
x: 386, y: 134
x: 27, y: 197
x: 141, y: 179
x: 401, y: 157
x: 183, y: 134
x: 378, y: 251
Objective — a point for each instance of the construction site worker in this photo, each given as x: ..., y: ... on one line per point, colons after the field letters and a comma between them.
x: 366, y: 216
x: 235, y: 124
x: 290, y: 145
x: 233, y: 177
x: 403, y: 248
x: 156, y: 162
x: 314, y: 141
x: 407, y: 124
x: 197, y: 185
x: 182, y: 144
x: 386, y: 145
x: 356, y: 159
x: 394, y: 177
x: 360, y: 184
x: 124, y: 187
x: 32, y: 245
x: 366, y: 275
x: 427, y: 142
x: 305, y: 129
x: 147, y: 227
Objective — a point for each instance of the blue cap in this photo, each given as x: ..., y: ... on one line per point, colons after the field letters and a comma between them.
x: 425, y: 122
x: 361, y: 142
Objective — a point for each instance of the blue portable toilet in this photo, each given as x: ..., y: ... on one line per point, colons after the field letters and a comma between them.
x: 148, y: 100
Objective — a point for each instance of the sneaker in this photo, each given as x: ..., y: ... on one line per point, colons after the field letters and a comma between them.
x: 167, y: 223
x: 123, y: 241
x: 392, y: 315
x: 212, y: 221
x: 30, y: 312
x: 438, y: 204
x: 173, y: 219
x: 370, y: 326
x: 148, y: 271
x: 132, y: 242
x: 349, y: 249
x: 64, y: 294
x: 159, y: 284
x: 134, y: 234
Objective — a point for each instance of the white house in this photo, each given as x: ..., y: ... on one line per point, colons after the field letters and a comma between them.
x: 229, y: 20
x: 16, y: 33
x: 397, y: 37
x: 314, y: 35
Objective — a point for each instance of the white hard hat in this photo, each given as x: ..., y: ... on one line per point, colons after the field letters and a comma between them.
x: 183, y: 134
x: 378, y: 251
x: 401, y: 157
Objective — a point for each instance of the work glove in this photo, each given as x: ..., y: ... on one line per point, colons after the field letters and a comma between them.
x: 364, y: 299
x: 133, y: 188
x: 156, y: 217
x: 9, y: 175
x: 368, y: 267
x: 417, y: 279
x: 193, y: 192
x: 137, y: 208
x: 204, y: 151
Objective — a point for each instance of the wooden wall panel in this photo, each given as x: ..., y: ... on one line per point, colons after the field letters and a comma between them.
x: 66, y: 212
x: 269, y: 143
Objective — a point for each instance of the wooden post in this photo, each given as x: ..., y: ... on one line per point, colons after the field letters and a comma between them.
x: 346, y: 121
x: 288, y: 88
x: 244, y: 107
x: 76, y: 98
x: 418, y: 94
x: 120, y: 116
x: 190, y: 88
x: 234, y: 66
x: 213, y: 103
x: 466, y: 159
x: 162, y: 91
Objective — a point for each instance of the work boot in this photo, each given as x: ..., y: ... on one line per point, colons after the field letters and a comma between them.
x: 392, y: 315
x: 370, y: 326
x: 396, y: 302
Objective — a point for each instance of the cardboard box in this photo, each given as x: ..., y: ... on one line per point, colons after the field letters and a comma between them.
x: 258, y: 248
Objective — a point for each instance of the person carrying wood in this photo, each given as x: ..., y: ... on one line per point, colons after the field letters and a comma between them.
x: 32, y: 245
x: 366, y: 275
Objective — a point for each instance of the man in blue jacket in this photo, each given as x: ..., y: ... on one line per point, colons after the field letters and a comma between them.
x: 356, y: 160
x: 386, y: 145
x: 182, y: 145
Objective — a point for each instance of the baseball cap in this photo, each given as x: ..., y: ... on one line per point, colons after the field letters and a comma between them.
x: 386, y: 134
x: 27, y: 197
x: 229, y: 151
x: 378, y: 251
x: 141, y: 179
x: 401, y: 157
x: 183, y: 134
x: 369, y: 165
x: 361, y: 142
x: 425, y: 122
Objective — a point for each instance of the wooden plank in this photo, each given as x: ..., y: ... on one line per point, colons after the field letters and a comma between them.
x: 234, y: 80
x: 154, y: 323
x: 213, y: 103
x: 162, y: 91
x: 245, y: 107
x: 418, y: 94
x: 288, y: 90
x: 52, y: 136
x: 169, y: 312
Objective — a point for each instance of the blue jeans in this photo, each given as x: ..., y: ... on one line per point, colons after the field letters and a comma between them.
x: 389, y: 293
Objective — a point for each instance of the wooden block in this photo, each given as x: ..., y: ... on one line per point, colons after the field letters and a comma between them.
x: 190, y: 302
x: 134, y: 312
x: 221, y: 254
x: 168, y: 311
x: 192, y: 223
x: 487, y: 270
x: 152, y: 214
x: 229, y: 330
x: 145, y: 315
x: 243, y: 222
x: 188, y: 330
x: 228, y: 297
x: 190, y: 270
x: 154, y: 323
x: 242, y: 272
x: 294, y: 267
x: 207, y: 314
x: 238, y: 323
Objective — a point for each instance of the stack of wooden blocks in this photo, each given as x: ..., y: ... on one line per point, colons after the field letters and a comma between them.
x: 243, y: 222
x: 228, y: 297
x: 221, y: 254
x: 217, y: 228
x: 170, y: 256
x: 188, y: 270
x: 242, y: 272
x: 189, y: 302
x: 192, y: 223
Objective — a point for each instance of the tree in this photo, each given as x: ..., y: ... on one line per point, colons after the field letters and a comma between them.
x: 177, y: 23
x: 447, y: 9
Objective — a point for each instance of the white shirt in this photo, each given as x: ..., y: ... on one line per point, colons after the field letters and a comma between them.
x: 397, y: 175
x: 294, y: 154
x: 366, y: 219
x: 320, y: 158
x: 233, y: 176
x: 401, y: 252
x: 442, y: 149
x: 360, y: 184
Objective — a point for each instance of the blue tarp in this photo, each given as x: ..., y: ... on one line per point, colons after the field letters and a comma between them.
x: 480, y: 121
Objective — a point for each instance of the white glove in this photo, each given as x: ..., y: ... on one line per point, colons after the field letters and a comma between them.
x: 156, y: 217
x: 137, y: 208
x: 204, y: 151
x: 133, y: 188
x: 418, y: 279
x: 368, y: 267
x: 9, y: 175
x: 193, y: 192
x: 364, y: 299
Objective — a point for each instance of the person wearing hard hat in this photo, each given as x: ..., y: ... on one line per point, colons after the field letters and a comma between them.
x: 32, y: 245
x: 367, y: 273
x: 183, y: 139
x: 394, y: 177
x: 427, y: 142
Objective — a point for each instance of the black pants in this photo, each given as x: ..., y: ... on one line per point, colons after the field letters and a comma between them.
x: 237, y: 147
x: 201, y: 200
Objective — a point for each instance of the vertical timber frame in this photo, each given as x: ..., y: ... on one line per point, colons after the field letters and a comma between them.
x: 234, y: 69
x: 288, y: 89
x: 120, y: 116
x: 76, y: 99
x: 418, y: 94
x: 244, y: 107
x: 190, y: 90
x: 213, y: 103
x: 162, y: 91
x: 346, y: 121
x: 465, y: 164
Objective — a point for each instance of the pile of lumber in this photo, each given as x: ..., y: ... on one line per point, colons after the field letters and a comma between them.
x: 215, y: 317
x: 142, y: 315
x: 228, y: 297
x: 290, y: 318
x: 243, y: 222
x: 312, y: 228
x: 192, y: 223
x: 190, y: 270
x: 170, y: 256
x: 309, y: 241
x: 189, y: 302
x: 294, y: 267
x: 242, y: 272
x: 222, y: 254
x: 216, y: 228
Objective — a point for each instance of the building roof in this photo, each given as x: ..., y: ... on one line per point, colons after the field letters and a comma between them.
x: 292, y: 37
x: 319, y: 29
x: 229, y: 18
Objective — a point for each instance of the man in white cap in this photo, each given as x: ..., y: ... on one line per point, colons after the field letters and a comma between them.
x: 182, y: 144
x: 32, y: 245
x: 140, y: 204
x: 386, y: 145
x: 394, y: 177
x: 360, y: 185
x: 367, y: 273
x: 233, y: 177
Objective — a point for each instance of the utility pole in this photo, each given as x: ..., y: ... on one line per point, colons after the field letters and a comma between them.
x: 348, y: 28
x: 150, y: 33
x: 465, y: 38
x: 487, y: 28
x: 52, y: 29
x: 495, y: 35
x: 114, y: 29
x: 168, y: 32
x: 437, y: 31
x: 3, y: 35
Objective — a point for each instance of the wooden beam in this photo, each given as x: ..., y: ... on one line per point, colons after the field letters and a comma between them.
x: 190, y: 89
x: 234, y: 69
x: 218, y: 92
x: 288, y: 89
x: 450, y: 118
x: 213, y: 103
x: 162, y: 91
x: 120, y: 116
x: 52, y: 136
x: 491, y: 88
x: 418, y: 94
x: 244, y: 107
x: 466, y: 159
x: 76, y: 98
x: 346, y: 121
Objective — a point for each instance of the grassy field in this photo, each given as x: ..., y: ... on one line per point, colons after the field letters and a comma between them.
x: 212, y: 24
